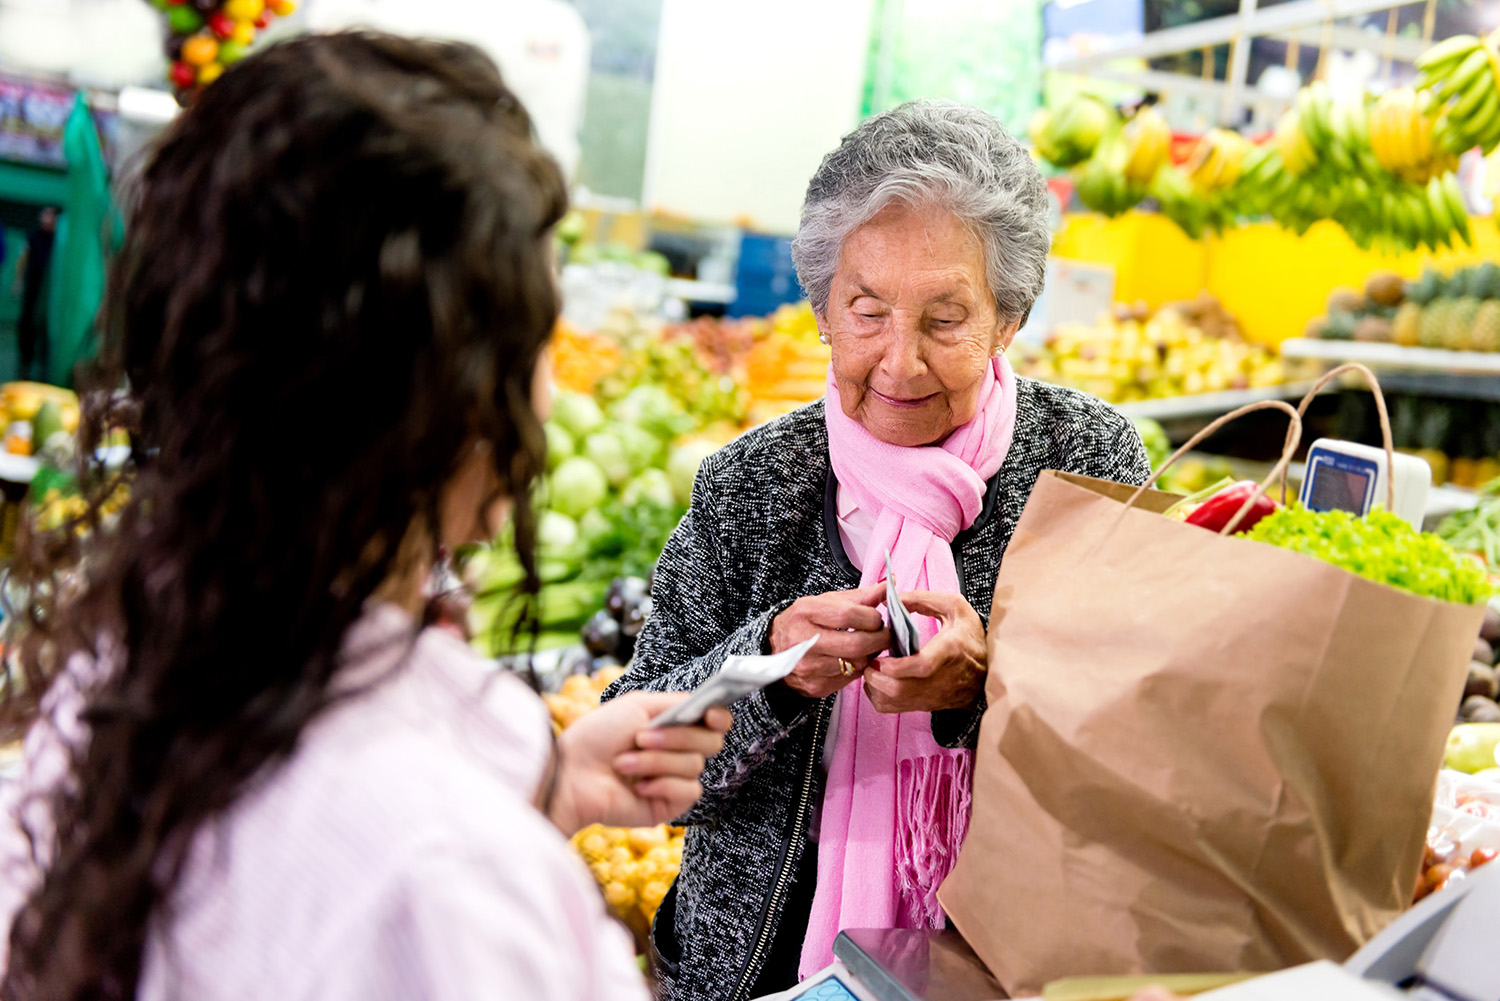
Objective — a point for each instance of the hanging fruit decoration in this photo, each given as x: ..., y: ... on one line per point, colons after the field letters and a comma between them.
x: 206, y: 36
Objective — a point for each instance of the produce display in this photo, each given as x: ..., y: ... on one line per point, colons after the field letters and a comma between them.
x: 639, y: 407
x: 33, y: 412
x: 206, y: 36
x: 1182, y: 349
x: 1381, y: 168
x: 617, y: 485
x: 1463, y: 75
x: 1457, y: 312
x: 1459, y: 439
x: 1476, y: 531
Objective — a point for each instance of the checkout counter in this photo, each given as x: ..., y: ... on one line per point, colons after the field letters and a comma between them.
x: 1446, y: 948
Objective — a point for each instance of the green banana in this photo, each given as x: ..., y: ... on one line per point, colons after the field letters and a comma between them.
x: 1447, y: 51
x: 1486, y: 120
x: 1453, y: 196
x: 1468, y: 71
x: 1469, y: 101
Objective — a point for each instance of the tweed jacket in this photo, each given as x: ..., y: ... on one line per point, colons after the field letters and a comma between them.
x: 761, y: 532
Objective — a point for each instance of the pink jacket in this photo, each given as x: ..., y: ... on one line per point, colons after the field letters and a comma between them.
x: 396, y: 855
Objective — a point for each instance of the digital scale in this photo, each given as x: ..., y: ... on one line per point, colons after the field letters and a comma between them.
x: 898, y: 965
x: 1345, y: 476
x: 1443, y: 949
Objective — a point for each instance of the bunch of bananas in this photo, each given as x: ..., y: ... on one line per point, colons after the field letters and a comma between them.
x: 1217, y: 160
x: 1403, y: 137
x: 1179, y: 202
x: 1103, y: 180
x: 1149, y: 141
x: 1069, y: 135
x: 1463, y: 75
x: 1337, y: 132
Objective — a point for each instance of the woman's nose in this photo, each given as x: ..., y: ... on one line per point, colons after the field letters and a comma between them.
x: 903, y: 360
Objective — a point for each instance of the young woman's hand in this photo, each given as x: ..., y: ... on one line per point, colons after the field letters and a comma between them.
x: 614, y: 769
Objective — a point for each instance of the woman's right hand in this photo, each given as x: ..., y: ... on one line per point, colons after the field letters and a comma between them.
x: 849, y: 627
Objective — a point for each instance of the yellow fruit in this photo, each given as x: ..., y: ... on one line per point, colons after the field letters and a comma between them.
x: 1149, y: 140
x: 593, y: 847
x: 244, y: 32
x: 281, y: 8
x: 1472, y: 747
x: 653, y: 893
x: 619, y: 896
x: 209, y: 73
x: 245, y: 10
x: 643, y: 839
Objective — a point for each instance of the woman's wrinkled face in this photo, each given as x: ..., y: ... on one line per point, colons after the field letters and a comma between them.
x: 913, y: 325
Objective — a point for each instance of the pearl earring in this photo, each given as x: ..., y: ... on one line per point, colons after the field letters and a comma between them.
x: 823, y: 337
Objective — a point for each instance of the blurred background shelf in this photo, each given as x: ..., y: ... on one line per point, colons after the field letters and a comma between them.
x: 1211, y: 404
x: 1395, y: 358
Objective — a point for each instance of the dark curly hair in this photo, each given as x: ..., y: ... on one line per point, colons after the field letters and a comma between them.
x: 334, y: 287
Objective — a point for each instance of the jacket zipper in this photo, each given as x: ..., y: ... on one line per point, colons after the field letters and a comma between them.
x: 783, y: 876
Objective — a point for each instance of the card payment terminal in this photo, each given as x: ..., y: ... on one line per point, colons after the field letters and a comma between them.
x: 1346, y: 476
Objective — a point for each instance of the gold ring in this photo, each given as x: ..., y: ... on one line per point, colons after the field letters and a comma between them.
x: 846, y: 668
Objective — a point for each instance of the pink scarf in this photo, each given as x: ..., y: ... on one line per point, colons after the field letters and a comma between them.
x: 896, y: 806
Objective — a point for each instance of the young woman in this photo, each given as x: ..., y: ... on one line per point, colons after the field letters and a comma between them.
x: 252, y: 772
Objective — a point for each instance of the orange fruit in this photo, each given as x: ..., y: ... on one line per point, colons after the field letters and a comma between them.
x: 200, y: 50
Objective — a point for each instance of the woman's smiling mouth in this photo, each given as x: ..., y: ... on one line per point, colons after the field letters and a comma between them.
x: 901, y: 403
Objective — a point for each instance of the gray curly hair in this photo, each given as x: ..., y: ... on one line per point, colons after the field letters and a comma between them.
x: 931, y: 152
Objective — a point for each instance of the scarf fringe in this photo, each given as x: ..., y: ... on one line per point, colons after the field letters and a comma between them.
x: 934, y: 800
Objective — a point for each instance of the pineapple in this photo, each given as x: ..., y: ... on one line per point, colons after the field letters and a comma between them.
x: 1385, y: 288
x: 1460, y: 323
x: 1346, y: 300
x: 1434, y: 319
x: 1404, y: 327
x: 1374, y: 329
x: 1485, y: 335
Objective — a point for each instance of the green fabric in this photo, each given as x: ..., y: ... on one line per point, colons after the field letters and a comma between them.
x: 915, y: 52
x: 30, y: 185
x: 78, y: 264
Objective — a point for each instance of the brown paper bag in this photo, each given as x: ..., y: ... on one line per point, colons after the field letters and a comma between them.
x: 1201, y: 754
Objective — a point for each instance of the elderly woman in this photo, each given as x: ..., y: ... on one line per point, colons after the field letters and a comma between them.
x: 841, y: 796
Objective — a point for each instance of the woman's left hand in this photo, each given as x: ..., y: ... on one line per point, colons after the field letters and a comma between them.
x: 947, y: 673
x: 614, y: 769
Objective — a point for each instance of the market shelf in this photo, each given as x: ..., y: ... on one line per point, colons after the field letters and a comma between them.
x: 1394, y: 357
x: 691, y: 290
x: 1212, y: 404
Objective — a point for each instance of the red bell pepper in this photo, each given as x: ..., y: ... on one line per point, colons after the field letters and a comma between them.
x: 1220, y: 509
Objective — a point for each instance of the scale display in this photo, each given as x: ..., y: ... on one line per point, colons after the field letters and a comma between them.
x: 1347, y: 476
x: 1345, y: 484
x: 832, y: 989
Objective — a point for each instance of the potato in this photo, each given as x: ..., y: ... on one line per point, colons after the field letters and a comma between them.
x: 1483, y: 652
x: 1489, y: 630
x: 1478, y: 709
x: 1482, y: 681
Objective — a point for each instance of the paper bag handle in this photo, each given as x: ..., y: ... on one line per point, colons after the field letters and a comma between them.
x: 1385, y: 423
x: 1293, y: 438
